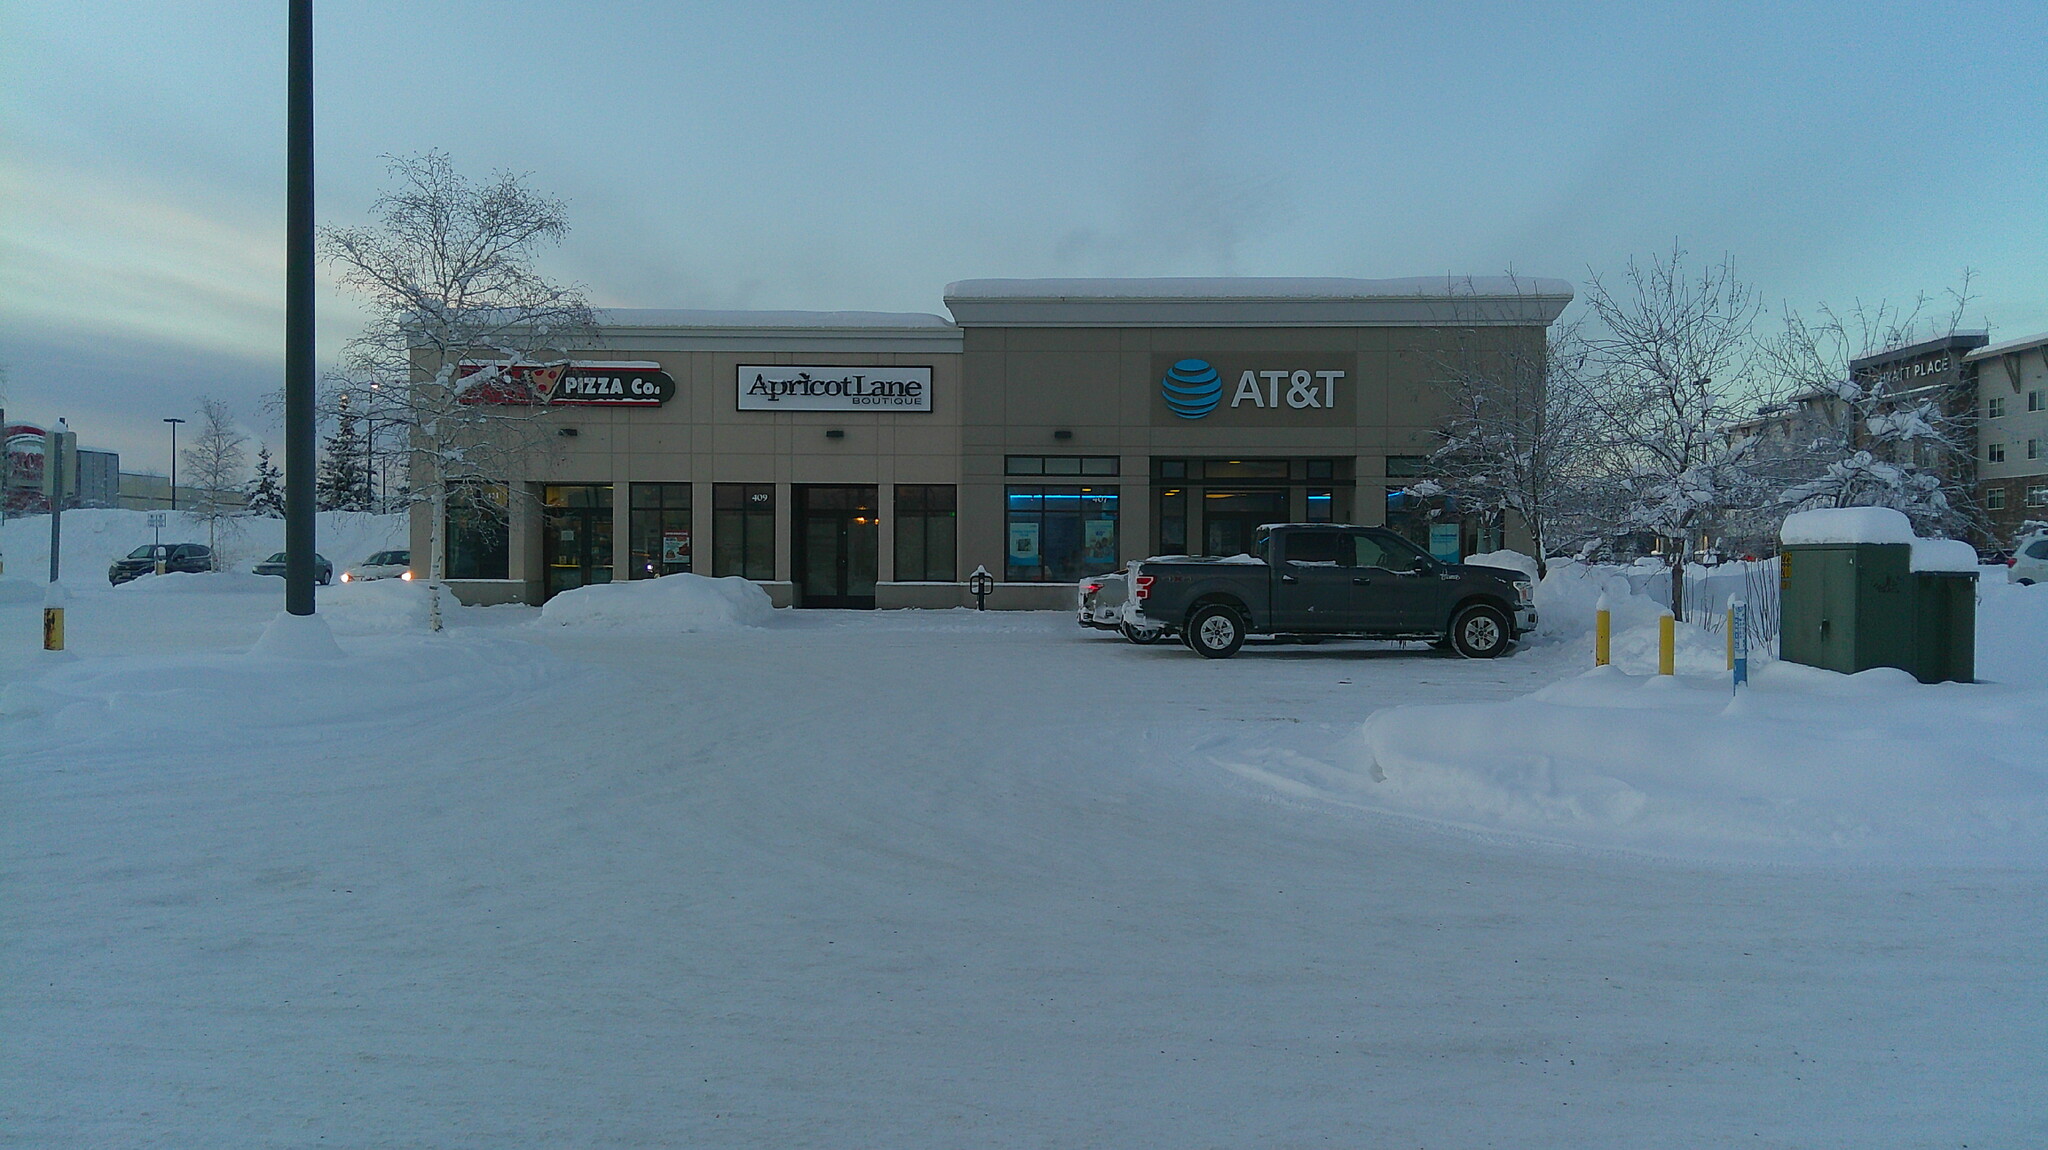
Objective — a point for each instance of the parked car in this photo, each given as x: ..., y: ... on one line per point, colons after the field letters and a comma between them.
x: 1102, y: 607
x: 382, y: 565
x: 1319, y: 579
x: 2029, y: 560
x: 323, y: 571
x: 189, y: 558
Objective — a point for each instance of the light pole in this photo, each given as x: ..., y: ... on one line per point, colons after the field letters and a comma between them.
x: 174, y: 422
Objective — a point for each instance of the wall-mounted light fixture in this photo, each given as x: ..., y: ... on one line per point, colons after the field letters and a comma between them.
x: 1063, y: 433
x: 835, y: 433
x: 566, y: 432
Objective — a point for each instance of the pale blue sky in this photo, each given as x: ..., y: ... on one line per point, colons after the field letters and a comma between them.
x: 862, y: 156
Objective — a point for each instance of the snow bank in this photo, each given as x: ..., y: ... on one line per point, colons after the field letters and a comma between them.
x: 95, y: 537
x: 2012, y: 633
x: 1569, y: 596
x: 206, y: 583
x: 291, y: 636
x: 1805, y: 765
x: 672, y: 604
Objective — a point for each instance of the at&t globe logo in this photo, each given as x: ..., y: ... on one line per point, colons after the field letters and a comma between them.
x: 1192, y: 388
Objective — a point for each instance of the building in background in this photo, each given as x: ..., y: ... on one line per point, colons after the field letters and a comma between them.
x: 1049, y: 429
x: 2012, y: 433
x: 92, y: 477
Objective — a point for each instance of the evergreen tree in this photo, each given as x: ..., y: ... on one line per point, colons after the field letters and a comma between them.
x: 343, y: 483
x: 266, y: 493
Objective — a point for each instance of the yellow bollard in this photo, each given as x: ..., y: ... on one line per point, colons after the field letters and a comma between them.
x: 1731, y: 640
x: 53, y: 628
x: 1667, y: 640
x: 1602, y: 628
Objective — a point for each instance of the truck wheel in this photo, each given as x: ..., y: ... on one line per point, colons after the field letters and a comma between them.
x: 1216, y: 632
x: 1480, y: 632
x: 1142, y: 636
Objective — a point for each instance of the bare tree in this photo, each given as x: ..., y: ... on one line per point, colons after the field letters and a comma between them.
x: 1520, y: 434
x: 1851, y: 441
x: 461, y: 314
x: 215, y: 462
x: 1671, y: 349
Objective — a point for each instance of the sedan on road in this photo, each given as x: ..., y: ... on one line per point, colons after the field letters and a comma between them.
x: 382, y: 565
x: 323, y: 571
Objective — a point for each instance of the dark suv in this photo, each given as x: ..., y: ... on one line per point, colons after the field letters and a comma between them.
x: 188, y: 557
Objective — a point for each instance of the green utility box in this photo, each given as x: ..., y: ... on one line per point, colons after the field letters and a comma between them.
x: 1849, y: 607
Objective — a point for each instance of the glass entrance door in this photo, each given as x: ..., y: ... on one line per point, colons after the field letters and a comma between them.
x: 837, y: 539
x: 576, y: 536
x: 1230, y: 519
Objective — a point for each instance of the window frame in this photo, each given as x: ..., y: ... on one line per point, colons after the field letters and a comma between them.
x: 915, y: 516
x: 754, y: 529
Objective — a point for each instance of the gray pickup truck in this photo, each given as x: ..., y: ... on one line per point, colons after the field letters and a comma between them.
x: 1315, y: 579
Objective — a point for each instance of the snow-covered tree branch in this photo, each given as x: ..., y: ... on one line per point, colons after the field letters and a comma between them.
x: 1671, y: 349
x: 1850, y: 441
x: 1520, y: 430
x: 449, y: 273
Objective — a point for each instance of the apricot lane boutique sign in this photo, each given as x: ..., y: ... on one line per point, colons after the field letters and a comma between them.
x: 798, y: 388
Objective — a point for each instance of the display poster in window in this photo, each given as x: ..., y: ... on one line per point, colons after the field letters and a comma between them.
x: 675, y: 547
x: 1443, y: 542
x: 1023, y: 544
x: 1098, y: 540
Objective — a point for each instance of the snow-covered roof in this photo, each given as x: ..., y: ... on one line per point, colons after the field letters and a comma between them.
x: 1258, y: 301
x: 2007, y: 347
x: 1877, y: 525
x: 1258, y: 288
x: 756, y: 332
x: 1847, y: 525
x: 1954, y: 341
x: 615, y: 317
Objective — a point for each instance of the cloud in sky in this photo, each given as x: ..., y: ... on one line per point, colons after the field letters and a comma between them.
x: 807, y: 156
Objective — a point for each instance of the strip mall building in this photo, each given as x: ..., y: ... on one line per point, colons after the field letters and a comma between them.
x: 1049, y: 429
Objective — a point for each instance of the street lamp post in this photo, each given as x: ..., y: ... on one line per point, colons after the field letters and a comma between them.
x: 174, y: 422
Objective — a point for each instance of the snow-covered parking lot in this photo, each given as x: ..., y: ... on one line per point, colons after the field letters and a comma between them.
x: 949, y: 879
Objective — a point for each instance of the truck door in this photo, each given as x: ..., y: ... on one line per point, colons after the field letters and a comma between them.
x: 1398, y: 588
x: 1312, y: 579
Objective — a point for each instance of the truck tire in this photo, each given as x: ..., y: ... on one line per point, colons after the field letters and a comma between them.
x: 1480, y: 632
x: 1215, y: 632
x: 1142, y: 636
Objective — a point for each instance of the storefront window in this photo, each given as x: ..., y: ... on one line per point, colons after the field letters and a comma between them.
x: 476, y: 537
x: 1173, y: 520
x: 1058, y: 534
x: 660, y: 524
x: 925, y: 524
x: 1322, y: 505
x: 1061, y: 465
x: 743, y: 530
x: 1244, y: 469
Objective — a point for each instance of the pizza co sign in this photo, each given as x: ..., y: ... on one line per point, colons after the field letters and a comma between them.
x: 576, y: 383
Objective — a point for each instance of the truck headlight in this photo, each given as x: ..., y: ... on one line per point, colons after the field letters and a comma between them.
x: 1525, y: 592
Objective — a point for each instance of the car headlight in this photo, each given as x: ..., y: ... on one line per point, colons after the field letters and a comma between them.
x: 407, y: 576
x: 344, y: 576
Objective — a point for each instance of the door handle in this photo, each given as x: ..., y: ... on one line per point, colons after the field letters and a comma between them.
x: 1289, y: 579
x: 1362, y: 581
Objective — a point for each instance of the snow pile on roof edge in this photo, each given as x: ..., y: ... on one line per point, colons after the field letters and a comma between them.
x: 1846, y: 525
